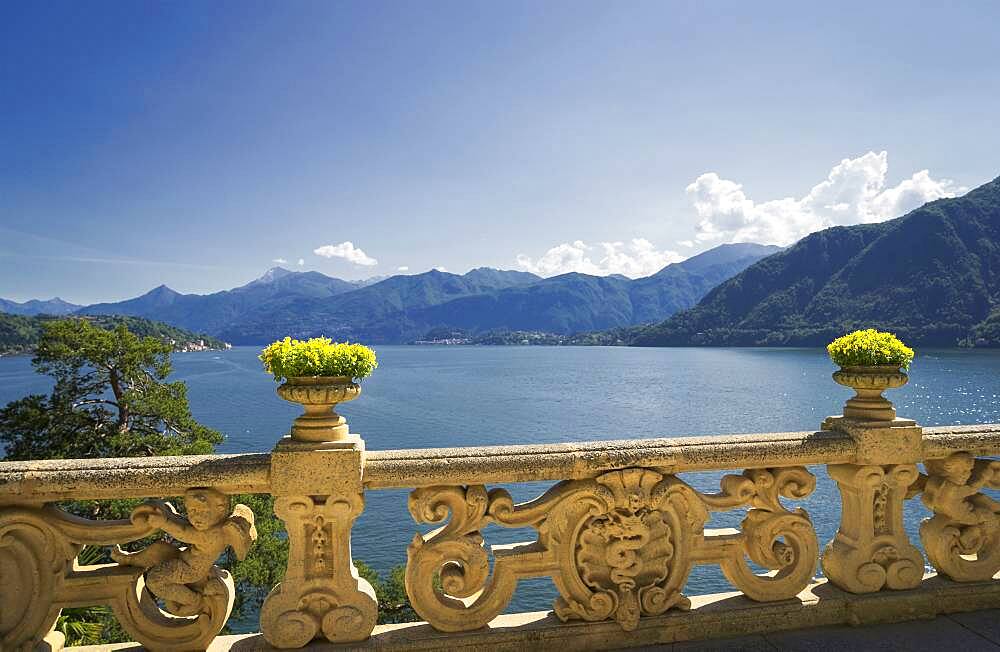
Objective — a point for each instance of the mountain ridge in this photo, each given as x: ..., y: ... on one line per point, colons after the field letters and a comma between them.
x: 567, y: 303
x: 53, y: 306
x: 403, y: 307
x: 931, y: 275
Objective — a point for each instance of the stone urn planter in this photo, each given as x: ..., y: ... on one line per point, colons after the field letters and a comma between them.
x: 319, y: 395
x: 868, y: 383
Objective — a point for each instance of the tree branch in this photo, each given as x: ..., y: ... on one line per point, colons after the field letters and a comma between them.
x: 116, y: 388
x: 95, y: 401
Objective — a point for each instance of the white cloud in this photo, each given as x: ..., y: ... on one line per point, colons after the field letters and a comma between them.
x: 636, y: 259
x: 441, y: 268
x: 302, y: 261
x: 686, y: 243
x: 280, y: 261
x: 854, y: 192
x: 402, y: 268
x: 915, y: 191
x: 347, y: 251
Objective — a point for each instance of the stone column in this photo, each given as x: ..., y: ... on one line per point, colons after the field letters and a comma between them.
x: 318, y: 494
x: 871, y: 550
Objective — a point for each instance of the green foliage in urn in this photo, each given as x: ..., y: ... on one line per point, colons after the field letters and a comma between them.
x: 870, y: 348
x: 318, y: 356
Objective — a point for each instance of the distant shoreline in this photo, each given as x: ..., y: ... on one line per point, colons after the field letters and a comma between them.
x: 431, y: 345
x: 20, y: 334
x: 15, y: 354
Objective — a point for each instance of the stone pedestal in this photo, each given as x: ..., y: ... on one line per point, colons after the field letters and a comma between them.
x: 318, y: 494
x: 871, y: 550
x: 319, y: 397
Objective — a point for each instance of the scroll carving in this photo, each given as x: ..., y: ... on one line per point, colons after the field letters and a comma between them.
x: 962, y: 539
x: 871, y: 550
x: 38, y: 547
x: 33, y: 559
x: 619, y: 546
x: 775, y: 538
x: 455, y: 551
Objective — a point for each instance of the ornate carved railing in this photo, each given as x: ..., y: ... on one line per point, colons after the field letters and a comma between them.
x: 618, y: 532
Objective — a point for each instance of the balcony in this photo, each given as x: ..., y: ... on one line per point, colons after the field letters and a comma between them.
x: 618, y: 533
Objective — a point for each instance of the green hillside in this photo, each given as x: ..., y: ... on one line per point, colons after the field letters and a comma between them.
x: 932, y: 276
x: 19, y: 334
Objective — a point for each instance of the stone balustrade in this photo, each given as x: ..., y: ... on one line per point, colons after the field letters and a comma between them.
x: 618, y: 532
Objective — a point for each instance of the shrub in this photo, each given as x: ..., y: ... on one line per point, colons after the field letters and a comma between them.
x: 869, y: 348
x: 319, y: 356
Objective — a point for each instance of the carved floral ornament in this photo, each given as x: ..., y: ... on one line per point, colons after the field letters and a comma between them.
x: 38, y: 549
x: 617, y: 546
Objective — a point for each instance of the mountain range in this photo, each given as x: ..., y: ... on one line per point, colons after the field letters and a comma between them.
x: 403, y: 308
x: 572, y: 303
x: 54, y: 306
x: 932, y: 276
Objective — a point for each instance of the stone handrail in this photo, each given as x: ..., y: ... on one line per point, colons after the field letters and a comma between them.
x: 618, y: 532
x: 159, y: 477
x: 132, y: 477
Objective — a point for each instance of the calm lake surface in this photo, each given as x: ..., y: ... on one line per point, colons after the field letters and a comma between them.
x: 468, y: 396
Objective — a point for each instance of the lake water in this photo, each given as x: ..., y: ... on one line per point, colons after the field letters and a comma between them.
x: 470, y: 396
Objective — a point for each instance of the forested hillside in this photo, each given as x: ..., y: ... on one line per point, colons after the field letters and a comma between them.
x: 19, y: 334
x: 932, y: 276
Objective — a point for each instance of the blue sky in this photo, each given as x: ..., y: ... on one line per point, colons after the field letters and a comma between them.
x: 194, y: 143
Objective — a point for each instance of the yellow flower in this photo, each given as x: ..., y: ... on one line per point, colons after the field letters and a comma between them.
x: 319, y: 356
x: 865, y: 348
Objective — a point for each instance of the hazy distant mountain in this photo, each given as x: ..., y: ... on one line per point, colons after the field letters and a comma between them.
x: 500, y: 278
x: 270, y: 276
x: 681, y: 285
x: 157, y: 301
x: 932, y: 276
x: 574, y: 302
x: 378, y: 312
x: 54, y: 306
x: 213, y: 313
x: 279, y: 280
x: 365, y: 282
x: 404, y: 307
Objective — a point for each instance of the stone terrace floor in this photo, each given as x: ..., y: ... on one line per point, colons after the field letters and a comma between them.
x: 976, y: 630
x: 811, y: 622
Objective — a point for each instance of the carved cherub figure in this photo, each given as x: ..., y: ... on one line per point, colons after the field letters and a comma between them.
x: 952, y: 489
x: 179, y: 575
